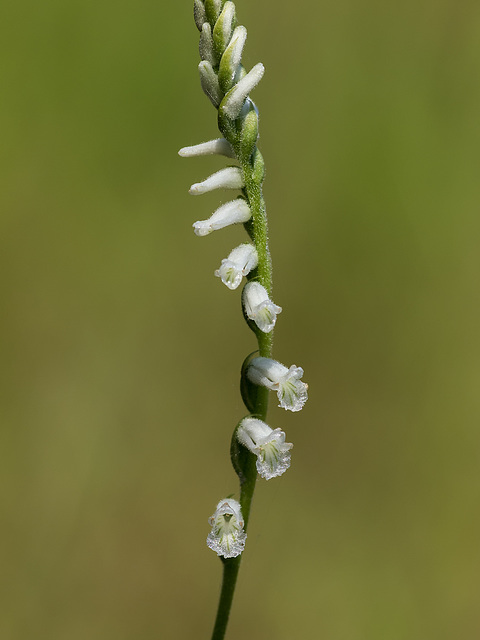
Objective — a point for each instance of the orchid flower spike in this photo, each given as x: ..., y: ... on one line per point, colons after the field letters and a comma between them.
x: 273, y: 453
x: 258, y: 306
x: 239, y: 263
x: 227, y: 537
x: 233, y: 212
x: 291, y: 391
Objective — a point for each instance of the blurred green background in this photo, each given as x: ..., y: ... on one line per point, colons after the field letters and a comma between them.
x: 120, y: 351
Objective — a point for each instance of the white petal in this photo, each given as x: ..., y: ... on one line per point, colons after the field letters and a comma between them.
x: 230, y: 274
x: 239, y: 263
x: 220, y: 146
x: 254, y: 429
x: 228, y: 178
x: 234, y: 212
x: 292, y: 392
x: 273, y: 455
x: 266, y: 372
x: 266, y: 315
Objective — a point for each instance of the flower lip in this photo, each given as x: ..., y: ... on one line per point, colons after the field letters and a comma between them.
x: 239, y: 263
x: 227, y: 536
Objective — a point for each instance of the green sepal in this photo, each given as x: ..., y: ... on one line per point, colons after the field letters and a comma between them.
x: 258, y: 167
x: 248, y: 133
x: 248, y: 390
x: 227, y: 127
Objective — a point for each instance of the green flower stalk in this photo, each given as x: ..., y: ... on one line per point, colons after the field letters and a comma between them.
x: 255, y: 447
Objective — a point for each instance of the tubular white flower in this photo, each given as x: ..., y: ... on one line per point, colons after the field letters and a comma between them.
x: 273, y: 453
x: 233, y: 102
x: 228, y: 178
x: 233, y: 212
x: 227, y: 537
x: 220, y: 147
x: 258, y: 306
x: 239, y: 263
x: 291, y: 391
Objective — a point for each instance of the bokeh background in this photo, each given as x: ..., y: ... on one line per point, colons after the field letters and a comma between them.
x: 120, y: 351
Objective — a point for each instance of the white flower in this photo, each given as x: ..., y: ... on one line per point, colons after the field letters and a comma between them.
x: 258, y: 306
x: 227, y: 537
x: 291, y: 391
x: 229, y: 213
x: 239, y: 263
x: 273, y: 453
x: 228, y: 178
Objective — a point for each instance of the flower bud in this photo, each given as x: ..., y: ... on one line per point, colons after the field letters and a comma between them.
x: 213, y: 9
x: 231, y: 59
x: 205, y: 45
x: 222, y: 31
x: 209, y: 82
x: 233, y: 102
x: 199, y: 13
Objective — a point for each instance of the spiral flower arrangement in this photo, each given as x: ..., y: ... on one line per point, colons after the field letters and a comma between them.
x: 255, y: 447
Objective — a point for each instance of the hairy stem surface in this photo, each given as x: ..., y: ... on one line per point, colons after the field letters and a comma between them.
x: 259, y: 233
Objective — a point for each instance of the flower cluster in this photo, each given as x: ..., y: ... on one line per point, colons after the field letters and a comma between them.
x: 228, y: 84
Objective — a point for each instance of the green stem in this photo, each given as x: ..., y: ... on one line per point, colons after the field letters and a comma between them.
x: 259, y: 232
